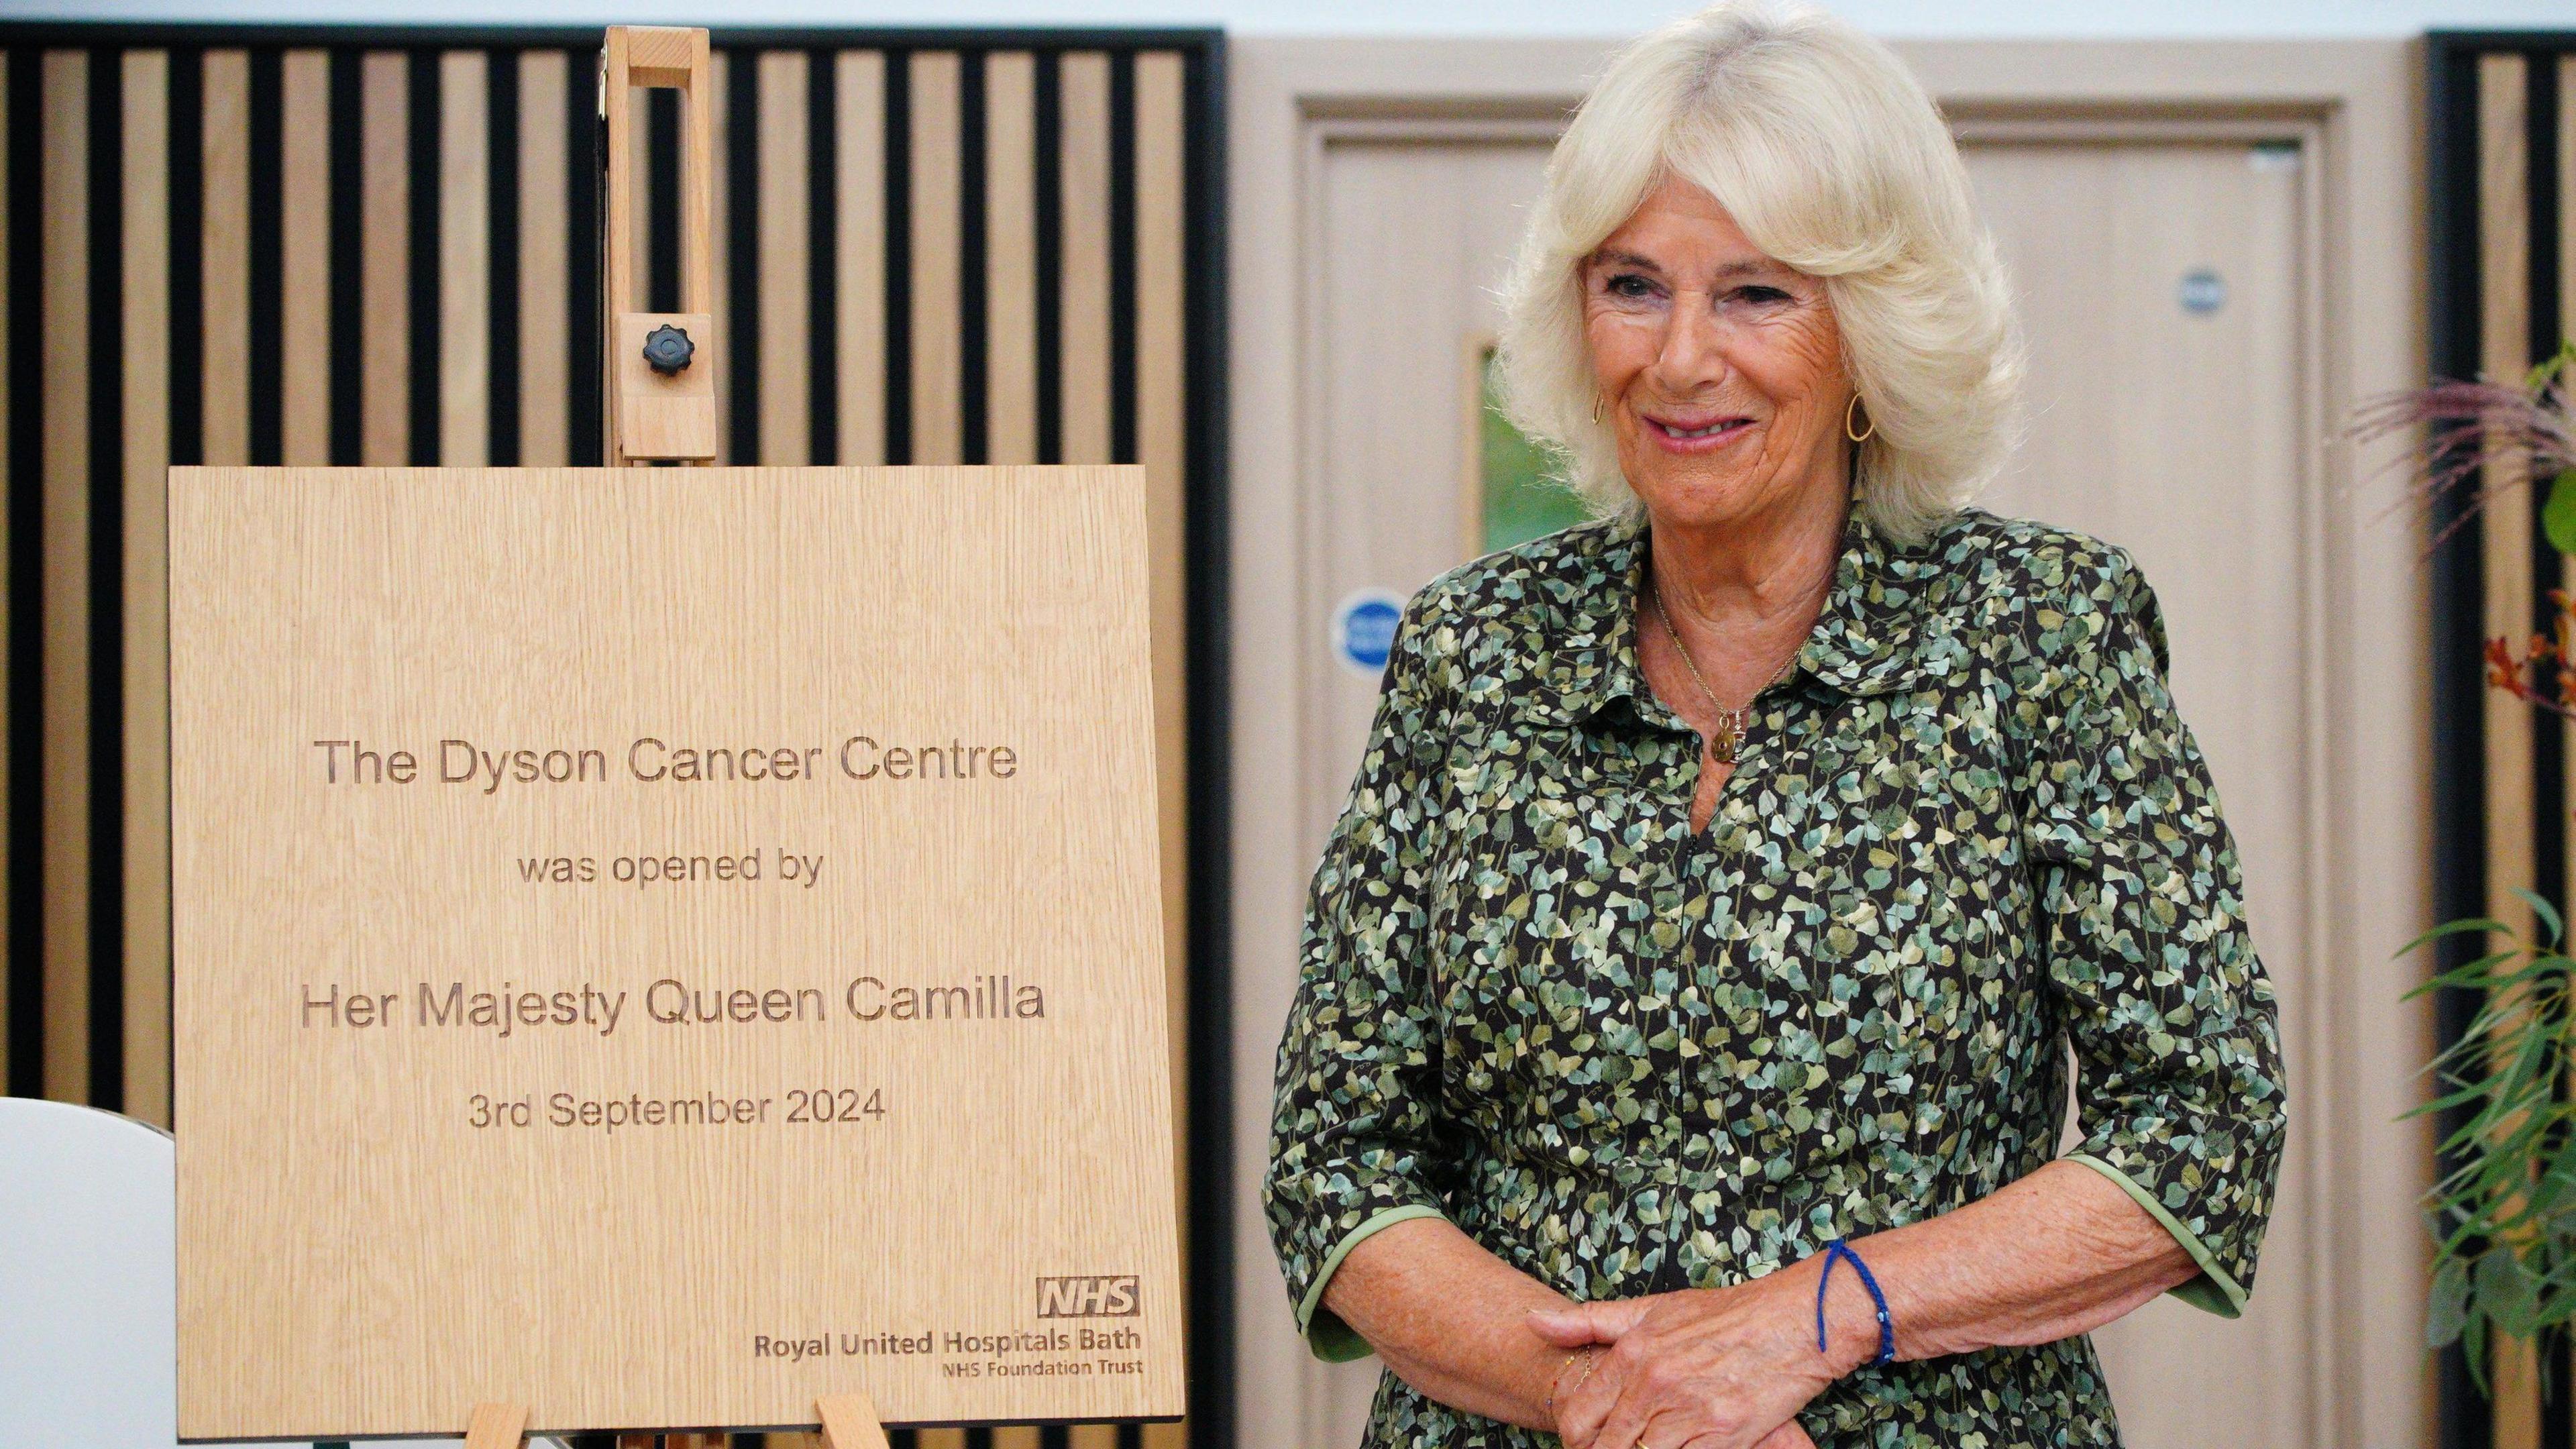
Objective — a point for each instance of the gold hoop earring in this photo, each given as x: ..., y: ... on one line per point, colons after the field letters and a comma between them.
x: 1598, y: 402
x: 1849, y: 410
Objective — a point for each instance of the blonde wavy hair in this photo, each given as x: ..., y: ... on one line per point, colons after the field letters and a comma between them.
x: 1830, y: 156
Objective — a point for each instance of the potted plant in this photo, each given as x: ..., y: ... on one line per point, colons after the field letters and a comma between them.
x: 2503, y: 1211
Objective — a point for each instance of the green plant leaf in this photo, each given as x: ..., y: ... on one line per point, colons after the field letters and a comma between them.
x: 2558, y: 515
x: 2506, y: 1293
x: 2548, y: 913
x: 2447, y: 1311
x: 2547, y: 369
x: 2454, y: 928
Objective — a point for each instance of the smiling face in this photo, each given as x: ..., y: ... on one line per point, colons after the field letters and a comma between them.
x: 1720, y: 368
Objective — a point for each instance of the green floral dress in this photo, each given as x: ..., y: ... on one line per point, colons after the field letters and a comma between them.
x: 1966, y: 833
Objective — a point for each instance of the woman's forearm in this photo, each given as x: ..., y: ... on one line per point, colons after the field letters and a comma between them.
x: 2058, y: 1253
x: 1451, y: 1319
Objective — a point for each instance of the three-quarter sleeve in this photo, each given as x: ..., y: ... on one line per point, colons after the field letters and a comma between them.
x: 1355, y: 1139
x: 2142, y: 919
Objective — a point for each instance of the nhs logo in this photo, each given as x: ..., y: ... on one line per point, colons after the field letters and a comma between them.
x: 1111, y: 1295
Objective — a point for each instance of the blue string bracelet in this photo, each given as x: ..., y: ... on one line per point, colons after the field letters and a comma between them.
x: 1886, y: 1327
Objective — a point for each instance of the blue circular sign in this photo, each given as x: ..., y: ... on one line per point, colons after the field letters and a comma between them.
x: 1364, y: 628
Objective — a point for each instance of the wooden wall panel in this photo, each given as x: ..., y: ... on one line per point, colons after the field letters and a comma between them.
x: 464, y: 260
x: 384, y: 259
x: 786, y: 235
x: 12, y: 1014
x: 2506, y: 534
x: 187, y: 286
x: 1084, y: 372
x: 938, y: 423
x: 2503, y: 151
x: 304, y: 231
x: 545, y: 239
x: 225, y: 387
x: 1011, y: 259
x: 1162, y: 442
x: 720, y: 233
x: 859, y: 320
x: 65, y: 759
x: 145, y: 294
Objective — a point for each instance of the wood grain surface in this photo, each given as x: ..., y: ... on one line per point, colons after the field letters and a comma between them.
x: 859, y: 205
x: 1085, y: 390
x: 545, y: 323
x: 65, y: 590
x: 384, y: 260
x: 225, y: 388
x: 304, y: 232
x: 937, y: 173
x: 464, y: 259
x: 785, y: 188
x: 144, y: 612
x: 398, y: 1263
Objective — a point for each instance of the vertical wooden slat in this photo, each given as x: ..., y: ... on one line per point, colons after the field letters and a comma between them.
x: 941, y: 1439
x: 858, y: 85
x: 2566, y: 267
x: 618, y: 217
x: 2567, y: 236
x: 699, y: 135
x: 642, y: 230
x: 1016, y: 1436
x: 1161, y: 440
x: 719, y: 243
x: 1010, y: 258
x: 384, y: 259
x: 65, y: 589
x: 8, y: 421
x: 545, y: 329
x: 146, y: 289
x: 305, y: 166
x: 226, y: 291
x: 938, y: 371
x: 1083, y: 370
x: 2567, y: 329
x: 2504, y: 329
x: 786, y: 275
x: 464, y: 259
x: 1092, y: 1436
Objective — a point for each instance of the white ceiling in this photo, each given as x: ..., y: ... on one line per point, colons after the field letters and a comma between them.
x: 2125, y: 18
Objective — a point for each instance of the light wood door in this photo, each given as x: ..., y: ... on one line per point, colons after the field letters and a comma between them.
x: 2161, y: 286
x: 2161, y: 280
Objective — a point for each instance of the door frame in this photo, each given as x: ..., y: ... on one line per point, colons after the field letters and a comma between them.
x: 2357, y: 108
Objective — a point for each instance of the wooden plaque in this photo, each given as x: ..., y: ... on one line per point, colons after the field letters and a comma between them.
x: 664, y: 945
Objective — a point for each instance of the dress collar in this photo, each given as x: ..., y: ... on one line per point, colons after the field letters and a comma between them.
x: 1864, y: 641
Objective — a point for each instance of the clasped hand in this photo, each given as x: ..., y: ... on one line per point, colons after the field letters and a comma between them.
x: 1707, y: 1368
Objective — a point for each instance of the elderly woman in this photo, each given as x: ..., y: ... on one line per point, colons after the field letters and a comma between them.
x: 1689, y: 989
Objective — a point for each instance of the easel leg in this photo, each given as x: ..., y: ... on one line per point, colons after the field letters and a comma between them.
x: 850, y: 1422
x: 496, y: 1426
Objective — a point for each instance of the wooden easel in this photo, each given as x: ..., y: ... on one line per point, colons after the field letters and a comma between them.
x: 655, y: 412
x: 849, y: 1422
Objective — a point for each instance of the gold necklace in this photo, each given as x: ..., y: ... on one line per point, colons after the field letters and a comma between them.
x: 1731, y: 723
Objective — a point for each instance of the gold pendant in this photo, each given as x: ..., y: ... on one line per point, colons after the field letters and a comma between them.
x: 1731, y: 725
